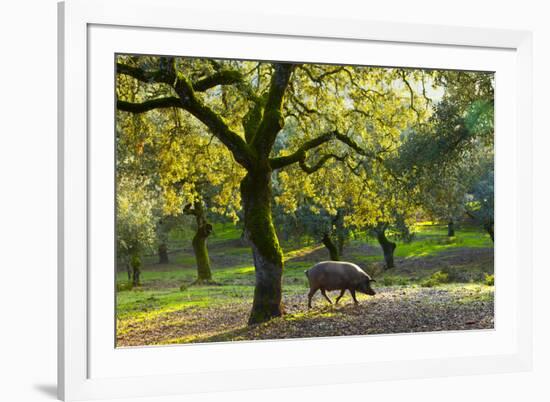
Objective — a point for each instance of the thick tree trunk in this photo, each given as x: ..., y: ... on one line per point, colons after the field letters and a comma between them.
x: 204, y: 229
x: 489, y: 227
x: 340, y: 232
x: 163, y: 253
x: 340, y: 242
x: 331, y: 247
x: 242, y: 239
x: 260, y: 233
x: 135, y: 277
x: 129, y: 270
x: 135, y: 262
x: 388, y: 247
x: 204, y: 273
x: 451, y: 228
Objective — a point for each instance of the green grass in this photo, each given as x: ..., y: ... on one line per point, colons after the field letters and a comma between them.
x: 432, y: 239
x: 236, y: 285
x: 147, y: 303
x: 225, y: 231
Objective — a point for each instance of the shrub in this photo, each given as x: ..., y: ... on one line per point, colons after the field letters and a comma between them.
x: 374, y: 270
x: 464, y: 274
x: 455, y: 274
x: 490, y: 280
x: 437, y: 278
x: 393, y: 280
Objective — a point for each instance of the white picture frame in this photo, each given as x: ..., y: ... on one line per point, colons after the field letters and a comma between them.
x: 90, y: 368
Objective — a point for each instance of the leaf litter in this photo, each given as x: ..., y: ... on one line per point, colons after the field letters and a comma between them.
x: 392, y: 310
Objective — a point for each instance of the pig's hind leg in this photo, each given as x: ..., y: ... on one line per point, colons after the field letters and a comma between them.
x: 325, y: 294
x: 310, y: 296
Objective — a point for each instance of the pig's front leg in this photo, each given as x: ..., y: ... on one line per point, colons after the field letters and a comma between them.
x: 352, y: 291
x: 340, y: 296
x: 325, y: 294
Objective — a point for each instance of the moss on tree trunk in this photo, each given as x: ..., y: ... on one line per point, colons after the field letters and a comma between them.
x: 331, y: 247
x: 490, y: 228
x: 388, y: 247
x: 451, y: 228
x: 135, y: 263
x: 266, y: 251
x: 340, y: 232
x: 163, y: 253
x: 129, y: 270
x: 204, y: 273
x: 204, y: 229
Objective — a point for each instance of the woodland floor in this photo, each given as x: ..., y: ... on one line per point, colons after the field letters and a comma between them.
x: 406, y: 301
x: 392, y: 310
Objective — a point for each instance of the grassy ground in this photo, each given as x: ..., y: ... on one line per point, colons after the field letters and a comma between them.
x: 439, y: 283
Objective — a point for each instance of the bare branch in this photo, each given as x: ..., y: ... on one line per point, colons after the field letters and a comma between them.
x: 143, y: 107
x: 300, y: 154
x: 226, y: 77
x: 319, y: 78
x: 411, y: 91
x: 320, y: 163
x: 140, y: 74
x: 353, y: 145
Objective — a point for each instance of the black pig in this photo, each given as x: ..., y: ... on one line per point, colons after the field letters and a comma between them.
x: 338, y: 275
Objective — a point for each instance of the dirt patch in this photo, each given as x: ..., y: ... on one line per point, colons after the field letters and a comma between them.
x: 461, y: 256
x: 465, y: 264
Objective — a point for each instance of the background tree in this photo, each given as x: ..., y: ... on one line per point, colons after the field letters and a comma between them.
x: 386, y: 205
x: 135, y: 228
x: 165, y: 224
x: 191, y: 172
x: 443, y: 194
x: 318, y: 224
x: 480, y: 204
x: 445, y: 157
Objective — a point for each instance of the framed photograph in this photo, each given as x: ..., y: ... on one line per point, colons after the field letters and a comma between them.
x: 255, y: 201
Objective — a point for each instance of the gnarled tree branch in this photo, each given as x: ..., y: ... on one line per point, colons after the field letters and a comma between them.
x: 188, y: 101
x: 320, y: 163
x: 143, y: 107
x: 223, y: 77
x: 300, y: 154
x: 411, y: 92
x: 272, y: 119
x: 148, y: 76
x: 235, y: 143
